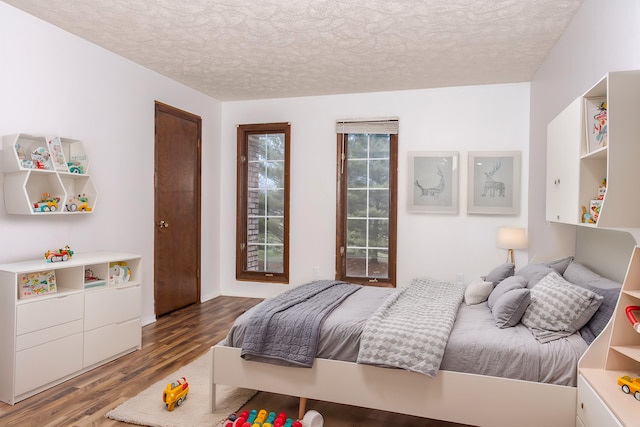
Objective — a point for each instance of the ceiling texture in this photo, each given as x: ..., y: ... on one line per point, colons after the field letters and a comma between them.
x: 257, y: 49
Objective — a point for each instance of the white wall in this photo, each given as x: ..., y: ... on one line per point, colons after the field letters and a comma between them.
x: 462, y: 119
x: 52, y: 82
x: 604, y: 36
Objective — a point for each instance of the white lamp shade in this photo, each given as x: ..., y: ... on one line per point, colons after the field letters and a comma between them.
x: 512, y: 238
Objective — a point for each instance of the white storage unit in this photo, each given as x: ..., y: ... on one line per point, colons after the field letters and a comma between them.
x: 58, y: 185
x: 576, y: 168
x: 57, y: 335
x: 615, y: 353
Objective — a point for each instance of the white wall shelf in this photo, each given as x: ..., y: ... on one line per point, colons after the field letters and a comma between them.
x: 46, y: 176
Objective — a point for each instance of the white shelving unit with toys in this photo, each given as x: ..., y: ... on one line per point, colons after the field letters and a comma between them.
x: 614, y: 354
x: 592, y: 152
x: 60, y: 319
x: 46, y: 175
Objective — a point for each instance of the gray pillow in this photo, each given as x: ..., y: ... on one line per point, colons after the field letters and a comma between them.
x: 508, y: 284
x: 533, y: 273
x: 509, y: 308
x: 597, y: 323
x: 582, y: 275
x: 500, y: 273
x: 559, y: 308
x: 560, y: 265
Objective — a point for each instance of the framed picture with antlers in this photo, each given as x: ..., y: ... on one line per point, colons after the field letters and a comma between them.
x: 433, y: 182
x: 494, y: 182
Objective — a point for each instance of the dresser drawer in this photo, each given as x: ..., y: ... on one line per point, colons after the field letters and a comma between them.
x: 44, y: 336
x: 46, y: 363
x: 37, y: 315
x: 591, y: 409
x: 105, y: 342
x: 106, y: 306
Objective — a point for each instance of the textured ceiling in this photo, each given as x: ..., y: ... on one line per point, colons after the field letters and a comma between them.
x: 252, y: 49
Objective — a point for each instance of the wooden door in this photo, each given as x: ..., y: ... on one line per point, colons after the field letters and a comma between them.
x: 177, y: 209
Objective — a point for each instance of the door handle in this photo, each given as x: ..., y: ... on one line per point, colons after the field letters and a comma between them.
x: 163, y: 224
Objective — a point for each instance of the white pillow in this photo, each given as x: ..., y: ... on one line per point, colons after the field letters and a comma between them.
x: 477, y: 291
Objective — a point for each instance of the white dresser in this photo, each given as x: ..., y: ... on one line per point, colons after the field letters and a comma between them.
x: 50, y: 336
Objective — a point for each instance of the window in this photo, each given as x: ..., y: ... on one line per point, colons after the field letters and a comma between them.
x: 367, y: 202
x: 262, y: 222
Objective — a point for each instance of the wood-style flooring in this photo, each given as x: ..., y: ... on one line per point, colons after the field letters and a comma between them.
x: 171, y: 342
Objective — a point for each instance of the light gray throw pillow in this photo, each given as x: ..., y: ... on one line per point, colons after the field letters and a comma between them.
x: 510, y: 307
x: 559, y: 308
x: 508, y: 284
x: 500, y: 273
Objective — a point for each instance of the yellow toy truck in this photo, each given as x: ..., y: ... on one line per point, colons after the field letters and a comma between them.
x: 630, y: 385
x: 175, y: 393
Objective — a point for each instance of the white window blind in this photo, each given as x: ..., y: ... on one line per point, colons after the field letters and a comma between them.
x: 373, y: 126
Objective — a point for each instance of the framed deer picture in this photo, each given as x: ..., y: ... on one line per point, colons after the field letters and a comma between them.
x: 433, y: 182
x: 494, y: 182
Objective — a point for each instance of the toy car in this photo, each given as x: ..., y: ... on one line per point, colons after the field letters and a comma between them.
x: 58, y: 255
x: 79, y: 203
x: 175, y: 393
x: 630, y: 385
x: 75, y: 167
x: 46, y: 203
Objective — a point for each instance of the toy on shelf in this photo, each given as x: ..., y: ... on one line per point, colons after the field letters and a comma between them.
x: 75, y: 167
x: 36, y: 284
x: 630, y: 385
x: 586, y: 217
x: 175, y: 393
x: 78, y: 204
x: 46, y: 204
x: 91, y: 280
x: 41, y: 159
x: 58, y: 255
x: 119, y: 273
x: 632, y: 317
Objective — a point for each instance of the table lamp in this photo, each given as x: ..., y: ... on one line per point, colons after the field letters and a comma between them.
x: 511, y: 238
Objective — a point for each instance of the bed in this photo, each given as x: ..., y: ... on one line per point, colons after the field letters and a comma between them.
x: 482, y: 378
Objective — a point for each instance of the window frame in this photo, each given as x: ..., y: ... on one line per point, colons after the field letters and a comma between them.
x: 341, y: 215
x: 242, y: 192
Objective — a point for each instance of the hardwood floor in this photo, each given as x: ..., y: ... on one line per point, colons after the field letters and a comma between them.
x: 171, y: 342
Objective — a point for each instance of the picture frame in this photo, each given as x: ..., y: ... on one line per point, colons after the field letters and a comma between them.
x: 433, y: 182
x: 493, y: 182
x: 596, y: 123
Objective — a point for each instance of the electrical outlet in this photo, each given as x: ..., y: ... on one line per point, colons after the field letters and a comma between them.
x: 316, y: 272
x: 460, y: 278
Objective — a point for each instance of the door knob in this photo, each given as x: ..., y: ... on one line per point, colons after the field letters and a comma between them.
x: 163, y: 224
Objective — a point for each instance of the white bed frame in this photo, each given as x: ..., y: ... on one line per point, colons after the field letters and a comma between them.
x: 451, y: 396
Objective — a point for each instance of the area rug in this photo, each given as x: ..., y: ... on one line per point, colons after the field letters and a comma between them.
x: 147, y: 408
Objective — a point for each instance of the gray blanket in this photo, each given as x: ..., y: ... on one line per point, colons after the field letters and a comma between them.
x: 411, y: 329
x: 285, y: 330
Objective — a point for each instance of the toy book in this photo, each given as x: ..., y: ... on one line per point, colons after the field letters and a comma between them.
x: 36, y: 284
x: 57, y: 154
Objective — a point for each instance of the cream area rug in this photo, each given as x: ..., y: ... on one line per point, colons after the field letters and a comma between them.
x: 148, y: 409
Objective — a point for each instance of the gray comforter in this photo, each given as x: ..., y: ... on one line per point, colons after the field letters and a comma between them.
x: 475, y: 345
x: 285, y: 330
